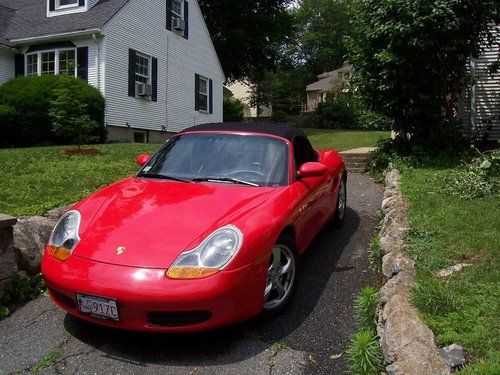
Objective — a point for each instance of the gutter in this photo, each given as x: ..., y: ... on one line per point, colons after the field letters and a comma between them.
x: 65, y: 35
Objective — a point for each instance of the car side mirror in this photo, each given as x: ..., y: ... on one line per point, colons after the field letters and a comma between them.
x: 142, y: 159
x: 312, y: 169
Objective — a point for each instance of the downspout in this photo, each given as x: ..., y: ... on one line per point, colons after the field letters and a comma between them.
x: 97, y: 67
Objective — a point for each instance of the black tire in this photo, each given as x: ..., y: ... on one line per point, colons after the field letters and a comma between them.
x: 340, y: 211
x: 273, y: 303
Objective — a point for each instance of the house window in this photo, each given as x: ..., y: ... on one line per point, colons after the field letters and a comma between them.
x: 139, y: 137
x: 61, y: 4
x: 142, y: 68
x: 67, y: 62
x: 52, y: 62
x: 48, y: 63
x: 32, y: 65
x: 203, y: 94
x: 177, y: 8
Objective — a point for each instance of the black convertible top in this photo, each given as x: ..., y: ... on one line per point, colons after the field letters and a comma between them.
x: 302, y: 147
x: 280, y: 130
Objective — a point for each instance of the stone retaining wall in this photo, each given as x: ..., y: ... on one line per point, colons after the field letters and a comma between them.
x: 407, y: 343
x: 7, y: 256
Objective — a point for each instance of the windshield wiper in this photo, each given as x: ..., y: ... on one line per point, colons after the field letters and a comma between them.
x: 225, y: 179
x: 163, y: 177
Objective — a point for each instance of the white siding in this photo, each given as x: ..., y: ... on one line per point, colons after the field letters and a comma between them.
x: 480, y: 108
x: 6, y: 65
x: 142, y: 28
x: 93, y: 60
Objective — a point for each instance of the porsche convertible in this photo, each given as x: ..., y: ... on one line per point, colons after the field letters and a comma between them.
x: 208, y: 233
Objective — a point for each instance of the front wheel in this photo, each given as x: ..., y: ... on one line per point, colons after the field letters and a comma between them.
x: 282, y: 275
x: 340, y: 209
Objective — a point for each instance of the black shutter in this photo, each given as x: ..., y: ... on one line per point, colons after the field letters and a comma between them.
x: 196, y: 92
x: 211, y: 96
x: 81, y: 3
x: 52, y: 5
x: 186, y: 19
x: 169, y: 15
x: 82, y: 59
x: 154, y: 79
x: 19, y: 65
x: 131, y: 72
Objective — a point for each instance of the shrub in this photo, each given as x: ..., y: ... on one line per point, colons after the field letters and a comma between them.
x: 365, y: 354
x: 20, y: 288
x: 26, y: 121
x: 333, y: 114
x: 279, y: 116
x: 234, y: 110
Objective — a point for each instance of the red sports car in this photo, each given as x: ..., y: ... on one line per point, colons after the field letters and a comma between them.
x: 208, y: 233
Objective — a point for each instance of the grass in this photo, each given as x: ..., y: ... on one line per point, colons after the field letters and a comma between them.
x: 463, y: 308
x: 34, y: 180
x: 343, y: 140
x: 37, y: 179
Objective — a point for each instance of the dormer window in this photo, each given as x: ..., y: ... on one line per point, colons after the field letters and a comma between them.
x: 63, y: 4
x: 62, y: 7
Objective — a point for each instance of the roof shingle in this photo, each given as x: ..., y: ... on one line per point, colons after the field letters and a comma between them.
x: 28, y: 18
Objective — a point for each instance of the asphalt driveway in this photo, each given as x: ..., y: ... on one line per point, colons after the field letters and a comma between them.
x: 40, y: 337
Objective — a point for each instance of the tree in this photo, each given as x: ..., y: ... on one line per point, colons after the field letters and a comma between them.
x: 247, y: 34
x: 234, y: 110
x: 316, y: 44
x: 411, y: 61
x: 322, y: 26
x: 70, y: 119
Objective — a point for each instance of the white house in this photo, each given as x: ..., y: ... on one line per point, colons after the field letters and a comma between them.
x: 242, y: 91
x: 153, y: 60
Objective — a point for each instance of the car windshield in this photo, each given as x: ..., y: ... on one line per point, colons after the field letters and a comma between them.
x: 223, y: 158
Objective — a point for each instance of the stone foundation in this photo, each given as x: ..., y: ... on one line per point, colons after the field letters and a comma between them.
x: 118, y: 133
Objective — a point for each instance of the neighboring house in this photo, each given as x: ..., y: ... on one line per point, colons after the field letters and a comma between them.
x: 318, y: 91
x: 480, y: 105
x: 153, y: 60
x: 242, y: 91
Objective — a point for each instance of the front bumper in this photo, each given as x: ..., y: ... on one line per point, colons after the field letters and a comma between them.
x: 149, y: 301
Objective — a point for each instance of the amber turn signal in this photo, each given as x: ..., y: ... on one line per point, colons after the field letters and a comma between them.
x: 59, y: 253
x: 188, y: 273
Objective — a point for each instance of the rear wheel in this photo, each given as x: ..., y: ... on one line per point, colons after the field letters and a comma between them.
x: 340, y: 210
x: 282, y: 276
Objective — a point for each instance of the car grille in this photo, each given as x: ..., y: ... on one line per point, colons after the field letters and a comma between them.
x: 178, y: 319
x: 63, y: 299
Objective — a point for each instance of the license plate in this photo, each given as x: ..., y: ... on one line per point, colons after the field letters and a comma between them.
x: 98, y: 307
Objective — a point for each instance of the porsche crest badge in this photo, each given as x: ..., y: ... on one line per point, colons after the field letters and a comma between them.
x: 120, y: 250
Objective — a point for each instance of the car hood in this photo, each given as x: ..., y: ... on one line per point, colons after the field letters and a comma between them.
x: 148, y: 223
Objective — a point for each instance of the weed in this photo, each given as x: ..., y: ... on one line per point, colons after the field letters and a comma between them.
x: 431, y: 295
x: 365, y: 307
x: 375, y: 257
x: 365, y: 354
x: 20, y: 289
x: 49, y: 360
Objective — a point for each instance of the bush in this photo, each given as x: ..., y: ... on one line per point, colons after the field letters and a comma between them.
x: 346, y: 113
x: 234, y: 110
x: 333, y: 114
x: 279, y: 116
x: 25, y: 104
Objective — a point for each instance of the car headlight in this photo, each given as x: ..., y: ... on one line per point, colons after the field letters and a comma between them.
x: 210, y: 257
x: 65, y: 236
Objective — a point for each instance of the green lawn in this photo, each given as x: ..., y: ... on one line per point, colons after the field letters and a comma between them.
x: 464, y: 308
x: 34, y: 180
x: 344, y: 139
